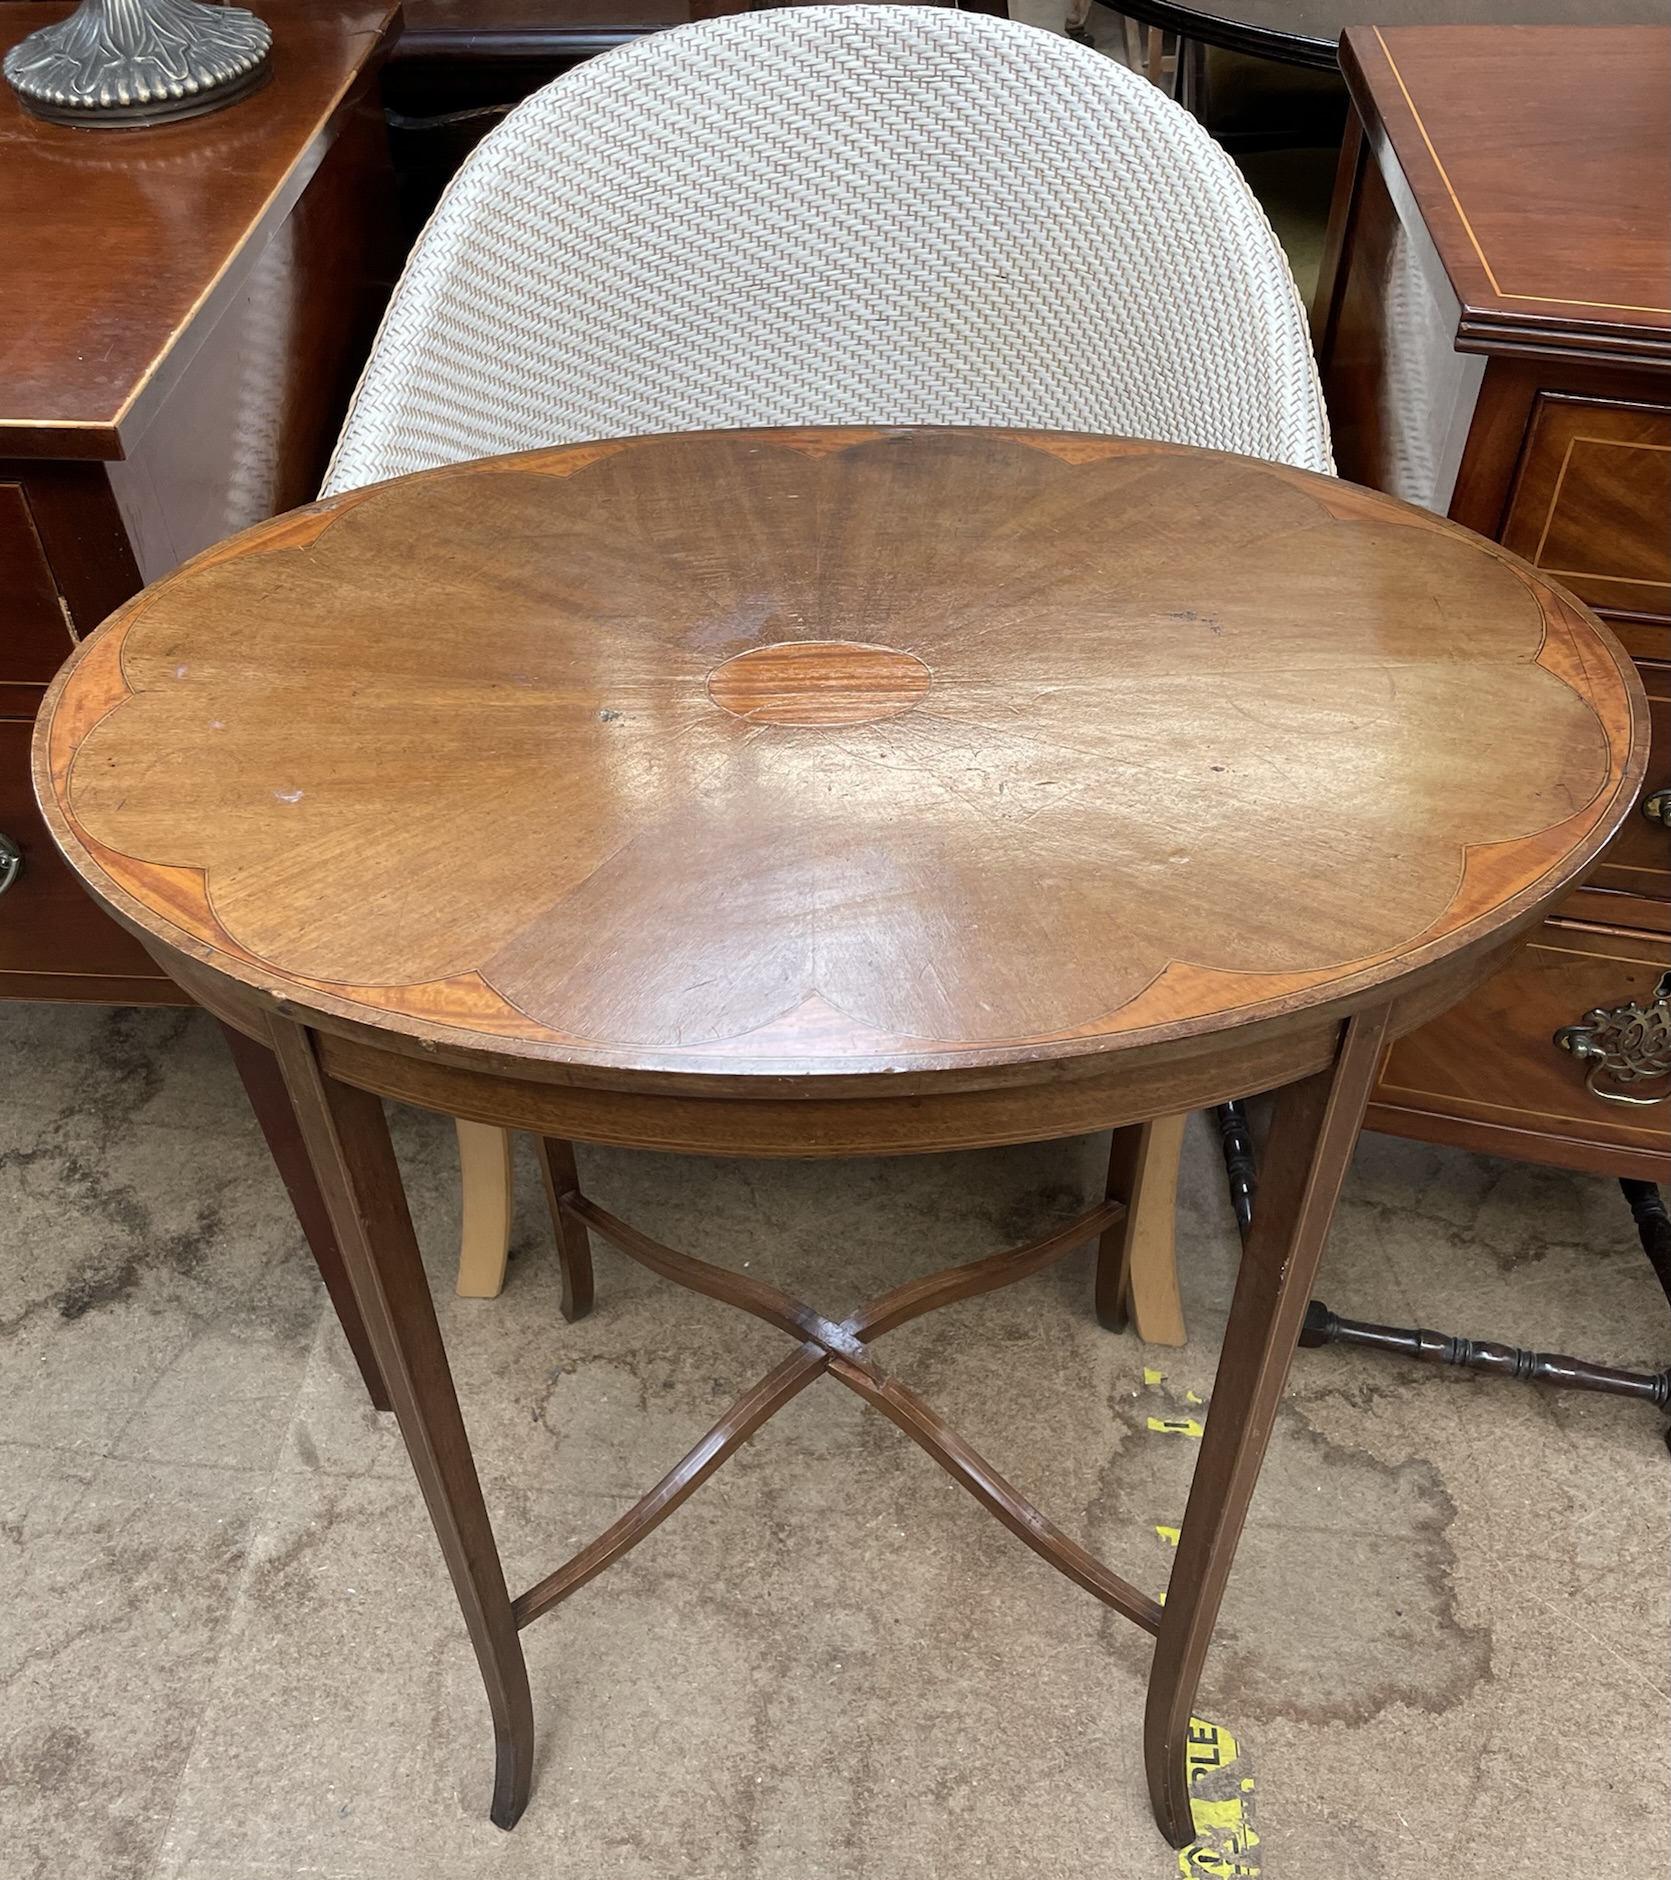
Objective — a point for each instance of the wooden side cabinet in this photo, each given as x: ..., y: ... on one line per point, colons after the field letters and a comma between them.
x: 185, y: 311
x: 1493, y: 327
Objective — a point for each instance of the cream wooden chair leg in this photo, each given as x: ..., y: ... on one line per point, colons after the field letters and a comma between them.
x: 484, y: 1162
x: 1146, y: 53
x: 1134, y: 42
x: 1137, y: 1262
x: 1152, y: 1230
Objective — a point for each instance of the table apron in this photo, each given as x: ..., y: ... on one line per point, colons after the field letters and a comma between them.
x: 1063, y: 1100
x: 837, y: 1126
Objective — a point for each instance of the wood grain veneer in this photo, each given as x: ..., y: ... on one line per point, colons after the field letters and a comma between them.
x: 1592, y: 499
x: 1504, y: 133
x: 1489, y: 1069
x: 1060, y: 810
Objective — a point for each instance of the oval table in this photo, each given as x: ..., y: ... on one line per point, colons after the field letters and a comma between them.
x: 1307, y: 32
x: 827, y: 793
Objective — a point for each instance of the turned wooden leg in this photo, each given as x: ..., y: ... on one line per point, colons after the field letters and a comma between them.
x: 1137, y: 1259
x: 1113, y: 1281
x: 1312, y: 1136
x: 270, y: 1101
x: 574, y: 1245
x: 488, y: 1200
x: 347, y: 1138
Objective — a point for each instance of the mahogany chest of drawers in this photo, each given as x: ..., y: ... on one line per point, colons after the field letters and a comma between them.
x: 185, y: 309
x: 1493, y: 326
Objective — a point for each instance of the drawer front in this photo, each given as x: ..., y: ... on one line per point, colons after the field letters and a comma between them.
x: 1592, y: 501
x: 1637, y: 862
x: 51, y: 929
x: 1488, y: 1074
x: 35, y: 638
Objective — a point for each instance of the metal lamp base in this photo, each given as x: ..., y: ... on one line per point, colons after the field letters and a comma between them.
x: 129, y: 63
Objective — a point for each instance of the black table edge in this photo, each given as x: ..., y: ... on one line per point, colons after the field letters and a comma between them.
x: 1263, y: 42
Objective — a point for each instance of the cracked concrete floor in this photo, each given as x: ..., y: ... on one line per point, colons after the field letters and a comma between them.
x: 230, y: 1652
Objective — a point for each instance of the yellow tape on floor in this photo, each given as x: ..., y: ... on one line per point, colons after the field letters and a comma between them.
x: 1221, y: 1805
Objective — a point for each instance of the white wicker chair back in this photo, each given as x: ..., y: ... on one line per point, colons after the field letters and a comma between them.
x: 840, y: 215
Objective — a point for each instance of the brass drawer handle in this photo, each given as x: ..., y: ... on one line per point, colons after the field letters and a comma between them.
x: 11, y: 862
x: 1657, y: 808
x: 1627, y: 1046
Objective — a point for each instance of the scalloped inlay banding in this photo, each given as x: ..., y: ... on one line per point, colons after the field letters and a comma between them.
x: 654, y: 828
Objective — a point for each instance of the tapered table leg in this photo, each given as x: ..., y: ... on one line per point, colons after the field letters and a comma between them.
x: 1312, y: 1135
x: 347, y: 1138
x: 1113, y: 1271
x: 268, y: 1098
x: 574, y: 1248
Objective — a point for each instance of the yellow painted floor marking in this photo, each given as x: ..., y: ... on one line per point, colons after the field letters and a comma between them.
x: 1221, y: 1805
x: 1176, y: 1426
x: 1190, y: 1397
x: 1169, y: 1535
x: 1153, y: 1377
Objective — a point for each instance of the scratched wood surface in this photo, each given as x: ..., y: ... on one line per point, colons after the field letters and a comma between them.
x: 834, y: 752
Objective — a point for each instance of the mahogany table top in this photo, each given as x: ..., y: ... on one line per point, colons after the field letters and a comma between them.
x: 838, y: 752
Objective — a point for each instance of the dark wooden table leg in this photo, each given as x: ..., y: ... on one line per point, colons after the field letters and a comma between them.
x: 1113, y: 1278
x: 270, y: 1101
x: 347, y: 1138
x: 574, y: 1247
x: 1312, y: 1135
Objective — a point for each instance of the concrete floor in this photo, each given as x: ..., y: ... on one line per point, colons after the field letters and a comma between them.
x: 229, y: 1650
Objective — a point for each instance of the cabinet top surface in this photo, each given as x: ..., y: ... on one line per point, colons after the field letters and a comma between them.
x: 1540, y: 159
x: 118, y: 244
x: 839, y: 751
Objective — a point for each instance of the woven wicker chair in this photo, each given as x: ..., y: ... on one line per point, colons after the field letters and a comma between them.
x: 840, y: 215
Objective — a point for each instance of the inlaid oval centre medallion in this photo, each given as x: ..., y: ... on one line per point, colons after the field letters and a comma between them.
x: 819, y: 682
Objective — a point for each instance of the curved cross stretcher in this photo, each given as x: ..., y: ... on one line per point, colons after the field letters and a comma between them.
x: 839, y: 1350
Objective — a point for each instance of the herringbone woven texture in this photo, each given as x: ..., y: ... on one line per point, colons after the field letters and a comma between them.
x: 840, y: 215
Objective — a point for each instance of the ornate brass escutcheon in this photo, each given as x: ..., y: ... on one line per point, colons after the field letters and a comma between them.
x: 1626, y: 1047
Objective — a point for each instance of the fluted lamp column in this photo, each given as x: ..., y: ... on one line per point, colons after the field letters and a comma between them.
x: 124, y: 63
